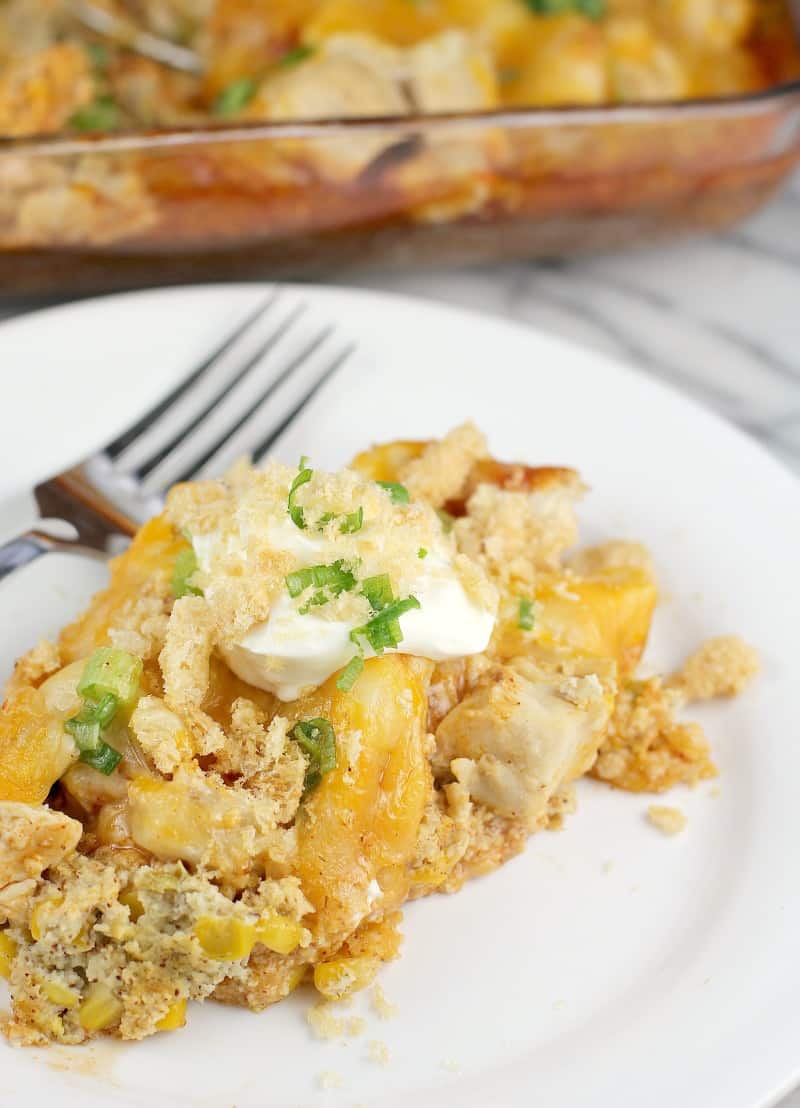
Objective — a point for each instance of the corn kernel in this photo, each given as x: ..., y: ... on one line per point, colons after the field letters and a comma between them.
x: 279, y: 934
x: 100, y: 1008
x: 344, y: 976
x: 61, y: 995
x: 8, y: 948
x: 38, y: 914
x: 224, y: 938
x: 129, y: 898
x: 174, y: 1017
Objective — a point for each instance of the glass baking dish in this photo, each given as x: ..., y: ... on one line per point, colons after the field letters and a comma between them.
x: 294, y: 199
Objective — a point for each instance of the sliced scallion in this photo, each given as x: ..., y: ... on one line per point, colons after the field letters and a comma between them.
x: 235, y: 96
x: 383, y: 630
x: 104, y: 759
x: 350, y: 674
x: 525, y: 617
x: 295, y: 511
x: 317, y: 739
x: 185, y: 567
x: 398, y: 493
x: 111, y: 671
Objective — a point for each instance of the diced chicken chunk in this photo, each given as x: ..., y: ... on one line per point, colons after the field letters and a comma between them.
x: 452, y: 72
x: 521, y: 734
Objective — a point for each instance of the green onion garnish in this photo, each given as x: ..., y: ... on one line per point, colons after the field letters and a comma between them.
x: 235, y: 96
x: 350, y: 674
x: 378, y: 591
x: 592, y: 9
x: 317, y: 740
x: 445, y: 519
x: 383, y: 630
x: 336, y: 577
x: 526, y: 615
x: 85, y: 732
x: 101, y: 115
x: 98, y: 54
x: 294, y: 510
x: 111, y: 671
x: 398, y: 493
x: 352, y: 522
x: 105, y: 758
x: 422, y: 552
x: 294, y: 57
x: 184, y: 568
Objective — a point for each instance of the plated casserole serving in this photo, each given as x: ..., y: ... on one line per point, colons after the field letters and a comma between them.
x: 304, y: 699
x: 326, y: 132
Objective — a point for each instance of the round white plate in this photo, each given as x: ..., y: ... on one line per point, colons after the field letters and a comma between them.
x: 608, y: 965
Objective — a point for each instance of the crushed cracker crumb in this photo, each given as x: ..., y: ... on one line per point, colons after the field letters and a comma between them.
x: 670, y: 821
x: 378, y: 1051
x: 380, y: 1005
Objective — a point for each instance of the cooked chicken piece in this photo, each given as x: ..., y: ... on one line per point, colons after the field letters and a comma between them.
x: 350, y: 76
x: 642, y: 66
x: 38, y: 94
x: 452, y: 72
x: 712, y: 24
x: 32, y: 838
x: 521, y: 734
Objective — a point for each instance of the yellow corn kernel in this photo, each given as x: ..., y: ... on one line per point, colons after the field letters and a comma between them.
x: 8, y: 948
x: 61, y: 995
x: 174, y: 1017
x: 344, y: 976
x: 224, y: 938
x: 279, y: 934
x: 129, y: 898
x: 100, y: 1008
x: 38, y: 914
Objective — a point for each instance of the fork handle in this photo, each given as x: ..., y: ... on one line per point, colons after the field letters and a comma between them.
x: 26, y: 548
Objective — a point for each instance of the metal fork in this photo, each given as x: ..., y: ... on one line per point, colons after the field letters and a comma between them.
x: 239, y: 400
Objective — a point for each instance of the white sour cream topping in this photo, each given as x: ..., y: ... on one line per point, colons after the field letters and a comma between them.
x: 289, y: 653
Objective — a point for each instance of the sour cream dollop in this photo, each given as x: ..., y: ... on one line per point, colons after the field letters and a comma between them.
x: 291, y: 653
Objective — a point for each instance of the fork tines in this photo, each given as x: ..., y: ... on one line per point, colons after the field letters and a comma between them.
x: 238, y: 401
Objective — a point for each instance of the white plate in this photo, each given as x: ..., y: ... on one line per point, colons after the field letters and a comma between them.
x: 607, y: 966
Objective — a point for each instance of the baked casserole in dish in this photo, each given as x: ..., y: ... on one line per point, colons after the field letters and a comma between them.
x: 304, y: 699
x: 322, y: 134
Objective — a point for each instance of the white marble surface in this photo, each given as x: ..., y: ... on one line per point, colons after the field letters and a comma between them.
x: 718, y: 317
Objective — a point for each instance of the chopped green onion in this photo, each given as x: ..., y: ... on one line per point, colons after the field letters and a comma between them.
x: 398, y: 493
x: 592, y: 9
x: 317, y: 740
x: 294, y: 57
x: 184, y: 568
x: 445, y: 519
x: 101, y: 115
x: 383, y: 630
x: 98, y: 54
x: 350, y: 674
x: 294, y: 510
x: 422, y: 552
x: 103, y: 710
x: 111, y: 671
x: 349, y: 523
x: 235, y: 96
x: 352, y: 522
x: 336, y: 577
x: 85, y: 731
x: 526, y: 614
x: 378, y: 591
x: 105, y: 758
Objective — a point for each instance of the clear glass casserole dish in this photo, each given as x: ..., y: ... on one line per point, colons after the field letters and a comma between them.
x: 292, y: 199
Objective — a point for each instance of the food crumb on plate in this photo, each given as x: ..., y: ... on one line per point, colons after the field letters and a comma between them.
x: 451, y: 1065
x: 380, y: 1005
x: 670, y: 821
x: 330, y: 1079
x: 608, y: 865
x: 379, y: 1052
x: 326, y: 1025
